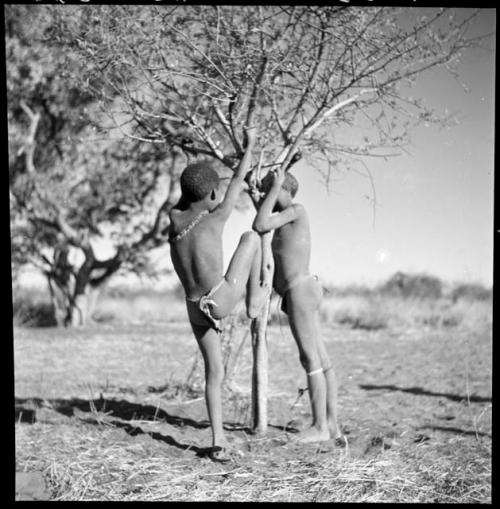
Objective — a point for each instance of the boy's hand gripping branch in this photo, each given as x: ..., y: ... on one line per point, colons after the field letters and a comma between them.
x: 237, y: 180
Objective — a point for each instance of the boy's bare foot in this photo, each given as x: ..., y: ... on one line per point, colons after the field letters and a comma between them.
x: 312, y: 434
x: 224, y: 452
x: 341, y: 441
x: 258, y: 300
x: 334, y: 430
x: 219, y: 454
x: 335, y: 433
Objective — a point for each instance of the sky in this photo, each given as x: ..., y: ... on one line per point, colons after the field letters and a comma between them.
x: 434, y: 207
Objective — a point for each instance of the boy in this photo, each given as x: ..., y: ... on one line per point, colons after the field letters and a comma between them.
x: 195, y: 237
x: 301, y: 294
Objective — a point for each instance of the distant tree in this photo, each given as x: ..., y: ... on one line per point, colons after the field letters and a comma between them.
x: 66, y: 192
x: 311, y: 78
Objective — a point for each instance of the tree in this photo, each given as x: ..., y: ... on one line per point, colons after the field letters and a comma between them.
x: 68, y: 188
x: 311, y: 78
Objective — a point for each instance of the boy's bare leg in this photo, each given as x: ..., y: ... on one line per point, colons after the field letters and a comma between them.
x: 331, y: 391
x: 259, y: 282
x: 243, y: 273
x: 304, y: 326
x: 209, y: 343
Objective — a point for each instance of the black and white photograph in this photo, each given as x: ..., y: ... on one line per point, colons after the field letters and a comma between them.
x: 251, y: 251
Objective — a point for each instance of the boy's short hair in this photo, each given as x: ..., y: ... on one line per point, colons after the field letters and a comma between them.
x: 197, y: 180
x: 290, y: 183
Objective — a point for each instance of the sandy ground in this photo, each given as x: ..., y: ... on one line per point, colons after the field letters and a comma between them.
x: 420, y: 396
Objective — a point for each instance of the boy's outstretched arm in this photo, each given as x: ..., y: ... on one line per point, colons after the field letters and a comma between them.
x: 237, y: 181
x: 265, y: 220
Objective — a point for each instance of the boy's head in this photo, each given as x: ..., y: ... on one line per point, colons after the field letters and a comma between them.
x: 288, y: 189
x: 199, y: 181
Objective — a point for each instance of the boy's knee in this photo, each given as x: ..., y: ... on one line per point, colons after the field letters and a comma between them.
x: 310, y: 360
x: 324, y: 358
x: 214, y: 373
x: 250, y: 237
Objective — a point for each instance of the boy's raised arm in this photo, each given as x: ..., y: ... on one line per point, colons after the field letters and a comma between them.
x: 236, y: 185
x: 265, y: 220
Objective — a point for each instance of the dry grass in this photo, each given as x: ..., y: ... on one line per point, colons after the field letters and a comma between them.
x: 369, y: 312
x: 385, y: 312
x: 102, y: 463
x: 119, y: 415
x: 351, y: 307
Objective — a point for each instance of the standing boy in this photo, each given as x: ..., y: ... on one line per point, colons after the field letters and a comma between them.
x: 301, y: 294
x: 197, y: 223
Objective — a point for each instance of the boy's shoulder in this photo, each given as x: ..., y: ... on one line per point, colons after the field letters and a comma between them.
x: 299, y: 209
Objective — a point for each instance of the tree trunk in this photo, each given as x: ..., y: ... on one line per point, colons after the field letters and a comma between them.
x: 259, y: 346
x: 60, y: 302
x: 70, y: 310
x: 61, y: 284
x: 85, y: 305
x: 74, y: 294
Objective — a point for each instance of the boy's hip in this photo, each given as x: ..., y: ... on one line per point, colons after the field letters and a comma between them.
x: 200, y: 310
x: 303, y: 290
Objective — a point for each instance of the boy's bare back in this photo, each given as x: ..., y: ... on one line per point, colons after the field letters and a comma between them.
x: 198, y: 259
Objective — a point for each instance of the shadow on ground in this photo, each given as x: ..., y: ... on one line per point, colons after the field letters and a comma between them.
x: 112, y: 412
x: 453, y: 429
x: 118, y: 412
x: 418, y: 391
x: 122, y: 409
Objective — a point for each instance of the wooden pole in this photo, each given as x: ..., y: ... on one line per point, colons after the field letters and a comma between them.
x: 259, y: 372
x: 259, y: 346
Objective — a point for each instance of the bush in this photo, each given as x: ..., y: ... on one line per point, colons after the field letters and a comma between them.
x: 353, y: 290
x: 100, y: 316
x: 32, y: 308
x: 355, y: 312
x: 420, y: 286
x: 365, y: 321
x: 471, y: 292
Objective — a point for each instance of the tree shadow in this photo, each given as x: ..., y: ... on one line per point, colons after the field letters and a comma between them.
x: 286, y: 428
x: 453, y: 429
x: 168, y: 439
x: 422, y: 392
x: 235, y: 426
x: 26, y: 415
x: 121, y: 409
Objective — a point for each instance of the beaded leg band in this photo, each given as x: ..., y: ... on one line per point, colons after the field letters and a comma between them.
x: 315, y: 372
x: 320, y: 370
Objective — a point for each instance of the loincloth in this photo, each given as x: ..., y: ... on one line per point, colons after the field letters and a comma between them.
x: 203, y: 304
x: 294, y: 282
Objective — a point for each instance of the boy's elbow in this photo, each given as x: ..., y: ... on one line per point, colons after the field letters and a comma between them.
x: 259, y: 227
